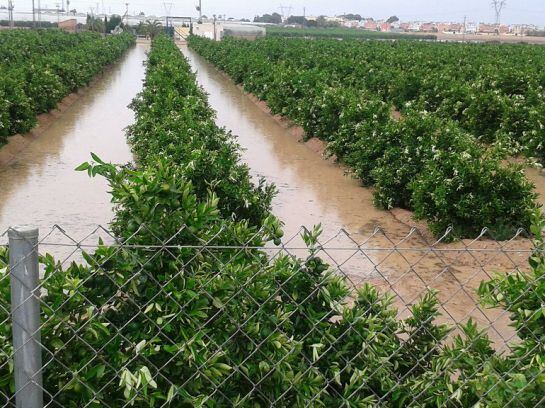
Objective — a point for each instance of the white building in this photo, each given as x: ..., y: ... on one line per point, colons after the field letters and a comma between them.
x: 471, y: 28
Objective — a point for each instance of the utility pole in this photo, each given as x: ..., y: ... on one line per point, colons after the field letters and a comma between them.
x: 58, y: 16
x: 168, y: 9
x: 33, y: 16
x: 199, y: 8
x: 127, y: 15
x: 215, y: 37
x: 283, y: 11
x: 498, y: 5
x: 465, y: 27
x: 10, y: 13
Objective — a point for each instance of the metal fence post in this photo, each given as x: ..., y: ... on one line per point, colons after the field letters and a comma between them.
x: 25, y: 308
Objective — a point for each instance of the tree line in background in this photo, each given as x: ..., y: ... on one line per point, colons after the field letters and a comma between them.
x: 149, y: 28
x: 104, y: 25
x: 276, y: 18
x: 321, y: 21
x: 27, y: 24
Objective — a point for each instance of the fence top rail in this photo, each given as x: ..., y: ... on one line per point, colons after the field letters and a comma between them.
x: 377, y: 240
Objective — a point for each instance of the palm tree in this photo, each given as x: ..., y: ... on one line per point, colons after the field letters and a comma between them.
x: 94, y: 24
x: 153, y: 28
x: 141, y: 28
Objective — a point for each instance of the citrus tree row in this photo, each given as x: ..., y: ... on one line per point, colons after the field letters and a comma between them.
x: 494, y: 91
x: 343, y: 33
x: 39, y: 68
x: 422, y: 161
x: 192, y: 314
x: 24, y: 45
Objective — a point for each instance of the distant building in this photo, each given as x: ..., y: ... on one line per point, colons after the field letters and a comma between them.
x: 487, y: 29
x: 455, y: 28
x: 208, y: 30
x: 523, y: 29
x: 415, y: 26
x: 247, y: 32
x: 471, y: 28
x: 70, y: 26
x: 428, y: 28
x: 442, y: 27
x: 504, y: 29
x: 219, y: 30
x: 370, y: 25
x: 385, y: 27
x: 351, y: 24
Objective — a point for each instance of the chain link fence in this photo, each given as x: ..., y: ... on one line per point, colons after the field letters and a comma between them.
x: 339, y: 321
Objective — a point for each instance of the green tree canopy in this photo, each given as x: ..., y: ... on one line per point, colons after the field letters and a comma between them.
x: 273, y: 18
x: 392, y: 19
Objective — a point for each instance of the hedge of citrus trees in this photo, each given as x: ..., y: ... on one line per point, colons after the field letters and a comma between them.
x: 430, y: 161
x: 168, y: 322
x: 493, y: 91
x: 344, y: 33
x: 39, y: 68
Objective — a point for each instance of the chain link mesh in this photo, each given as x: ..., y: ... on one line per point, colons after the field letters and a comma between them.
x: 209, y: 324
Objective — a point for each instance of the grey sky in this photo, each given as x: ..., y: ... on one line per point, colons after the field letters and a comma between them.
x: 517, y: 11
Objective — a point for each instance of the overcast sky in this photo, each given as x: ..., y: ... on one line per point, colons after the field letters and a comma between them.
x: 517, y: 11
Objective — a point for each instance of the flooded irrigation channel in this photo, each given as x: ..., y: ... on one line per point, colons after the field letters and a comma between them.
x: 395, y: 257
x: 40, y: 186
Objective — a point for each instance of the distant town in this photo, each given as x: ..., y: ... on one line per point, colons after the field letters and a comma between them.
x: 394, y: 24
x: 354, y: 21
x: 438, y: 27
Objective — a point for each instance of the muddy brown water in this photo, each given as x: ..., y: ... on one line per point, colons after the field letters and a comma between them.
x: 312, y: 190
x: 537, y: 176
x: 40, y: 186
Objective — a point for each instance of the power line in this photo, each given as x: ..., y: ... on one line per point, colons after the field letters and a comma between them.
x: 498, y: 7
x: 283, y: 10
x: 199, y: 8
x: 10, y: 14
